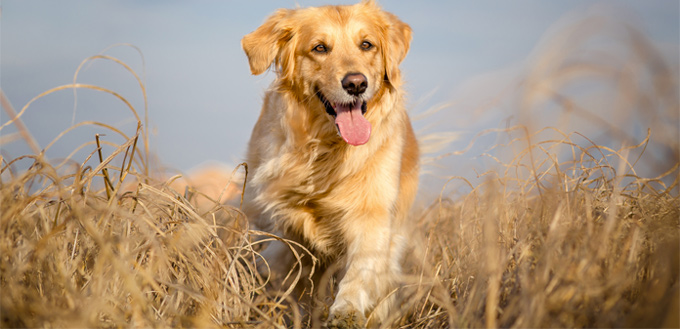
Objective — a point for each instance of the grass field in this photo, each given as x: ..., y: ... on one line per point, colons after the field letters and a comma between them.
x: 562, y: 232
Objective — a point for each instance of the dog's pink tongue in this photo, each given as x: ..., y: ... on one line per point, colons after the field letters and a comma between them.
x: 354, y: 128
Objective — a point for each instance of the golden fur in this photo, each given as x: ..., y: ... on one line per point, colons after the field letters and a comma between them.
x: 348, y: 204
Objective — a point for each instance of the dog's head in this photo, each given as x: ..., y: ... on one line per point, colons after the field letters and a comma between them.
x: 338, y: 56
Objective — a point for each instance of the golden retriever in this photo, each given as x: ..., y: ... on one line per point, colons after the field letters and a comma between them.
x: 333, y: 157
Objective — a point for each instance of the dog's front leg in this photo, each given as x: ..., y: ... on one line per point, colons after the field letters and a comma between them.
x: 372, y: 270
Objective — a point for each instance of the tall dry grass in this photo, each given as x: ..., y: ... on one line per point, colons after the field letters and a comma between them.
x: 572, y: 245
x: 562, y: 232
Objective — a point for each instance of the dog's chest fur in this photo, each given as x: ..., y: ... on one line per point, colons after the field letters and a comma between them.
x: 299, y: 196
x: 309, y: 190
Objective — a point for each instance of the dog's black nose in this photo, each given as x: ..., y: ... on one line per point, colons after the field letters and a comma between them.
x: 354, y: 83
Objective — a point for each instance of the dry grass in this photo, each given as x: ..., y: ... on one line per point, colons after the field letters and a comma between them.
x: 563, y: 233
x: 566, y: 246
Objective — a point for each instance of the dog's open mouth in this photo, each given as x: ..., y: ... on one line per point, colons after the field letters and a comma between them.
x: 349, y: 119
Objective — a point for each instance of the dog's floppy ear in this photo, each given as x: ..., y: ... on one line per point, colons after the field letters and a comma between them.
x: 263, y: 45
x: 396, y: 45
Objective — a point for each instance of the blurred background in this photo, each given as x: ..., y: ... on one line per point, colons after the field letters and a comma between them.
x: 607, y: 70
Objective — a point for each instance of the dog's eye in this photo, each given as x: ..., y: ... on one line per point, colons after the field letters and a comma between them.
x: 366, y: 45
x: 320, y: 48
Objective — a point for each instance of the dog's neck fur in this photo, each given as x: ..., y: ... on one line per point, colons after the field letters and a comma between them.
x: 309, y: 147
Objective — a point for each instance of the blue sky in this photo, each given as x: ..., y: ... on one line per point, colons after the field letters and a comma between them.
x: 202, y: 99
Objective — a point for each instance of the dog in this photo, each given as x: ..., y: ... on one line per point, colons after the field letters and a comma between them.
x: 333, y: 158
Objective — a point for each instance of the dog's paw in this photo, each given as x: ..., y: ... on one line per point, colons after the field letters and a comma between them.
x: 346, y: 319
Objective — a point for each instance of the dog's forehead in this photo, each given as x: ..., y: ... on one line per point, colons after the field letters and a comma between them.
x: 336, y: 21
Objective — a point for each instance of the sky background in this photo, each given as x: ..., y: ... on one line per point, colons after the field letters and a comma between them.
x: 203, y: 101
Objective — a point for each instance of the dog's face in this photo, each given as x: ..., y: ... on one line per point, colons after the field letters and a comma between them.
x: 334, y: 58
